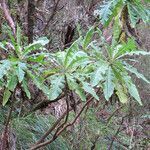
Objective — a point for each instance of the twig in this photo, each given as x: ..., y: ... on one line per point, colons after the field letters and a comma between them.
x: 45, y: 103
x: 67, y: 111
x: 108, y: 120
x: 4, y: 138
x: 54, y: 126
x: 117, y: 132
x: 52, y: 15
x: 67, y: 125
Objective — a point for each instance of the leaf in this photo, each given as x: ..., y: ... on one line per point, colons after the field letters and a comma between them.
x: 2, y: 45
x: 50, y: 72
x: 12, y: 38
x: 136, y: 52
x: 108, y: 84
x: 78, y: 59
x: 74, y: 86
x: 18, y: 43
x: 57, y: 85
x: 36, y: 58
x: 25, y: 88
x: 89, y: 89
x: 97, y: 75
x: 132, y: 89
x: 38, y: 81
x: 134, y: 70
x: 80, y: 93
x: 5, y: 65
x: 35, y: 45
x: 21, y: 71
x: 88, y: 38
x: 18, y: 36
x: 128, y: 47
x: 121, y: 92
x: 116, y: 30
x: 132, y: 15
x: 70, y: 52
x: 108, y: 10
x: 12, y: 82
x: 6, y: 96
x: 138, y: 11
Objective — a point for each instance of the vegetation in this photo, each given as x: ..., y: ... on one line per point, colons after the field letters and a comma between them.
x: 91, y: 74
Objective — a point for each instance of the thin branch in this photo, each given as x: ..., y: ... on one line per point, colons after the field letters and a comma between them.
x: 52, y: 15
x: 45, y: 103
x: 67, y: 103
x: 117, y: 132
x: 7, y: 16
x: 108, y: 120
x: 4, y: 138
x: 55, y: 125
x: 37, y: 146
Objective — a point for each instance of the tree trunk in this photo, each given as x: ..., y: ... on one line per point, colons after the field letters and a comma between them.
x: 31, y: 10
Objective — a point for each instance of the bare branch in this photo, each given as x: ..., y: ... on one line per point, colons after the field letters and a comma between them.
x: 7, y: 16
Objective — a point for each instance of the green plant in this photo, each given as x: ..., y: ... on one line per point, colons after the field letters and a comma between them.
x: 135, y: 10
x: 21, y: 65
x: 68, y: 68
x: 88, y: 63
x: 111, y: 66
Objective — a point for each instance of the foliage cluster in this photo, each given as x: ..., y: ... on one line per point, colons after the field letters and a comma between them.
x: 90, y: 64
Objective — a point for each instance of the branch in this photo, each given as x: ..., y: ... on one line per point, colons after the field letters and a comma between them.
x: 5, y: 135
x: 108, y: 120
x: 45, y: 103
x: 37, y: 146
x: 54, y: 126
x: 67, y: 111
x: 52, y: 15
x: 117, y: 132
x: 7, y: 16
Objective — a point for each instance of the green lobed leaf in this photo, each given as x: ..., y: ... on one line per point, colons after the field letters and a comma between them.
x: 25, y: 88
x: 134, y: 70
x: 73, y: 85
x: 121, y: 92
x: 5, y: 65
x: 88, y: 37
x: 36, y: 45
x: 70, y: 52
x: 128, y: 47
x: 6, y: 96
x: 138, y: 11
x: 108, y: 10
x: 78, y: 59
x: 136, y: 53
x: 108, y: 84
x: 89, y: 89
x: 57, y: 85
x: 97, y: 75
x: 116, y: 30
x: 12, y: 82
x: 18, y: 36
x: 132, y: 89
x: 21, y: 71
